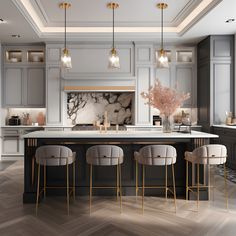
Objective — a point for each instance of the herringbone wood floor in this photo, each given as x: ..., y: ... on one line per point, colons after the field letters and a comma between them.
x: 158, y: 219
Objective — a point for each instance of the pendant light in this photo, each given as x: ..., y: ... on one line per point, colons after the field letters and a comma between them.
x: 114, y: 61
x: 161, y: 57
x: 65, y: 58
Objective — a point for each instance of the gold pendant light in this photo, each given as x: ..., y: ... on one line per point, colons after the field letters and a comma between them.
x: 65, y: 58
x: 114, y: 60
x: 161, y: 57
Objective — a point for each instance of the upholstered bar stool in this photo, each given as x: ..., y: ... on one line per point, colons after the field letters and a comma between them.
x: 105, y: 155
x: 55, y: 155
x: 156, y: 155
x: 211, y: 154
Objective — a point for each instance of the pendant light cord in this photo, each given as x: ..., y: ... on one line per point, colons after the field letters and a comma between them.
x: 65, y: 27
x: 162, y: 28
x: 113, y: 26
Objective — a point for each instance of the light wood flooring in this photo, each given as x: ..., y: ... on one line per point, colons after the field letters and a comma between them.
x: 159, y: 218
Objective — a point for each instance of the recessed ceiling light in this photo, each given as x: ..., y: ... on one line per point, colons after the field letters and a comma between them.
x: 15, y: 36
x: 230, y: 20
x: 2, y: 21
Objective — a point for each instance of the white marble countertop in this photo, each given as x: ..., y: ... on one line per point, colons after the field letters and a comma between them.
x: 114, y: 134
x: 225, y: 126
x: 36, y: 126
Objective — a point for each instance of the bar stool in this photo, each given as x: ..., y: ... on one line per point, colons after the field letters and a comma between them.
x: 105, y: 155
x: 211, y: 154
x: 156, y: 155
x: 54, y: 155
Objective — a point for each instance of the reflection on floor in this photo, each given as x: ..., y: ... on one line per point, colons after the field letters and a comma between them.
x: 158, y: 219
x: 5, y: 164
x: 231, y: 174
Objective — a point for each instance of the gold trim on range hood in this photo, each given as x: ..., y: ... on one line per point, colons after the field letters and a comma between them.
x: 99, y: 88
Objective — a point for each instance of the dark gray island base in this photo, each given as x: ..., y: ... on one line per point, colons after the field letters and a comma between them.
x: 130, y: 142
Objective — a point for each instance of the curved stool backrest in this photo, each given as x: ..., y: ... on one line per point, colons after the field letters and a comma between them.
x: 54, y: 155
x: 105, y: 155
x: 157, y: 155
x: 213, y: 154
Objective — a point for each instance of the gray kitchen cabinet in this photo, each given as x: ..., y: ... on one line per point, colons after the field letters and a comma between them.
x: 215, y: 79
x: 181, y: 73
x: 13, y: 141
x: 227, y: 137
x: 54, y: 95
x: 35, y: 87
x: 13, y: 87
x: 23, y: 77
x: 24, y: 87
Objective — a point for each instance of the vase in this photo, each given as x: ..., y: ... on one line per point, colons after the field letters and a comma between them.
x: 166, y: 124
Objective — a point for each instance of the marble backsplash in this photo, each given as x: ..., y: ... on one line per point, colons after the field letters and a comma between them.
x: 88, y: 107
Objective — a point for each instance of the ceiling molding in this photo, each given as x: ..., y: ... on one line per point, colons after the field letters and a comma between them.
x: 38, y: 20
x: 186, y: 10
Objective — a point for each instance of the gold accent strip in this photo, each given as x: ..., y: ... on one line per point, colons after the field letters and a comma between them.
x: 99, y: 88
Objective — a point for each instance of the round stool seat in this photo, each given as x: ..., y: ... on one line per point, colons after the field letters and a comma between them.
x: 156, y: 155
x: 212, y: 154
x: 54, y: 155
x: 105, y: 155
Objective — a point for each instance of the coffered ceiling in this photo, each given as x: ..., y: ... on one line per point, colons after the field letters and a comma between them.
x: 43, y: 20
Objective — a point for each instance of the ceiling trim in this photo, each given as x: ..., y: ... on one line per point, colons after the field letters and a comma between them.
x: 189, y: 6
x: 31, y: 15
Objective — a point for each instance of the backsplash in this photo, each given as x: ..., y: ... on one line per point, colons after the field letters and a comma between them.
x: 88, y: 107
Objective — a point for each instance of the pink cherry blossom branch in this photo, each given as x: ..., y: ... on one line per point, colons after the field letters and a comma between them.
x: 166, y: 99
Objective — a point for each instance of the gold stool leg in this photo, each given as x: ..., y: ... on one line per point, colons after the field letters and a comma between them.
x: 143, y: 188
x: 186, y: 180
x: 67, y: 187
x: 44, y: 178
x: 38, y: 186
x: 197, y: 186
x: 117, y: 182
x: 166, y: 188
x: 226, y: 188
x: 74, y: 180
x: 136, y: 179
x: 90, y: 187
x: 120, y: 188
x: 173, y: 176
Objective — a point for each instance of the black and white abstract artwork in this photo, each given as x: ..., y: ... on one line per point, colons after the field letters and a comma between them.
x: 89, y: 107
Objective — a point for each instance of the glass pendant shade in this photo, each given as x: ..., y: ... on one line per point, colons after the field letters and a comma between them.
x: 162, y: 59
x: 114, y: 60
x: 66, y: 59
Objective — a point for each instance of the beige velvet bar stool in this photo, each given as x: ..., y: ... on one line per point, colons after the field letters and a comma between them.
x: 105, y: 155
x: 55, y: 155
x: 156, y: 155
x: 211, y: 154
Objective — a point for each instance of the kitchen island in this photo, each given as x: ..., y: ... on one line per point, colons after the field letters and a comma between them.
x: 129, y: 141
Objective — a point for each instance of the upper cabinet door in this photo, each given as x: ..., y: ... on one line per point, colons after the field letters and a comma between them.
x: 35, y: 87
x: 13, y: 81
x: 185, y: 83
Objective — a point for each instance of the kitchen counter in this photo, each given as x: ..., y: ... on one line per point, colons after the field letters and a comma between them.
x: 129, y: 141
x: 225, y: 126
x: 37, y: 126
x: 119, y: 134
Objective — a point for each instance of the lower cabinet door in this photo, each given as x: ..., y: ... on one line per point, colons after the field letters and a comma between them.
x: 10, y: 145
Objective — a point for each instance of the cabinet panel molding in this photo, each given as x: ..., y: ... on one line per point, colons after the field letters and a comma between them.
x: 53, y: 95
